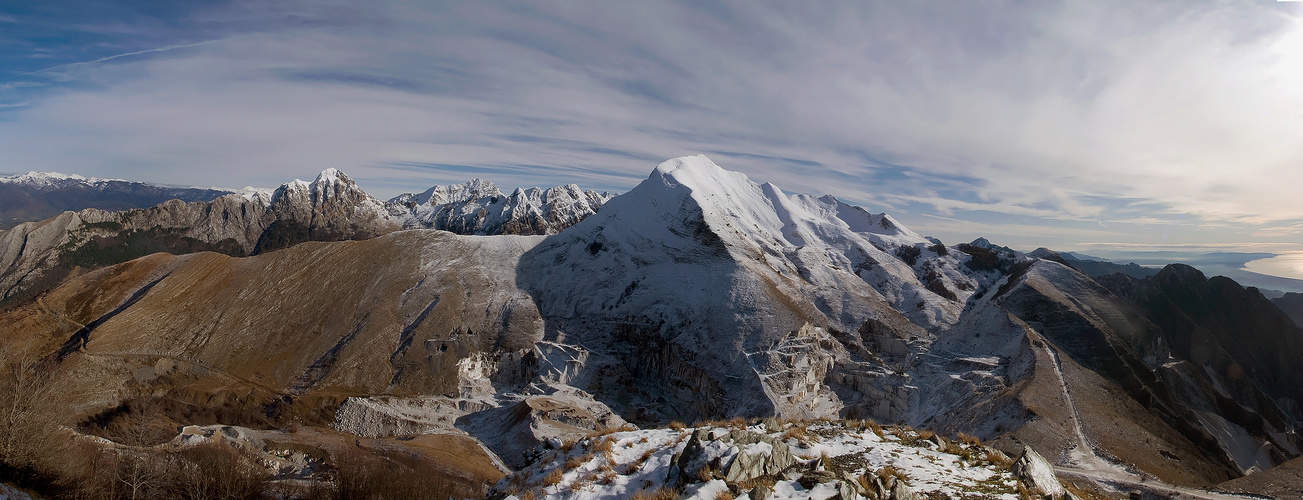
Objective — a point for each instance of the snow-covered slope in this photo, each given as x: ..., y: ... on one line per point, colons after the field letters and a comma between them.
x: 479, y: 207
x: 721, y: 276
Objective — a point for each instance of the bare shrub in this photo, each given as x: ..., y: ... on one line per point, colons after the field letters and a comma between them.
x: 214, y: 472
x: 361, y: 475
x: 27, y: 418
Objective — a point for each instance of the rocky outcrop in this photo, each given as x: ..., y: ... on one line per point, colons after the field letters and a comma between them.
x: 743, y: 455
x: 901, y: 491
x: 330, y: 208
x: 27, y: 253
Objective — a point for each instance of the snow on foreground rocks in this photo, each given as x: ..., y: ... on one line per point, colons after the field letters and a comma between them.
x: 774, y: 459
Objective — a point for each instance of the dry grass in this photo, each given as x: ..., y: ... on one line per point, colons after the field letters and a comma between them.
x: 724, y: 495
x: 1024, y: 493
x: 661, y: 493
x: 553, y: 478
x: 607, y: 477
x: 865, y: 485
x: 798, y: 432
x: 737, y: 423
x: 887, y: 472
x: 969, y: 439
x: 573, y: 463
x: 877, y: 429
x: 605, y: 445
x: 705, y: 474
x: 999, y: 459
x: 677, y: 425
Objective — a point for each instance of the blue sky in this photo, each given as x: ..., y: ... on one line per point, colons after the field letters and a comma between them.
x: 1097, y: 126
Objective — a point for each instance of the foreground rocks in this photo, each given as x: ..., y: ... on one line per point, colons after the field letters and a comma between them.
x: 810, y: 460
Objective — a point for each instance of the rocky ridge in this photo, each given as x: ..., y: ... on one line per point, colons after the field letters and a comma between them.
x: 780, y: 460
x: 35, y: 255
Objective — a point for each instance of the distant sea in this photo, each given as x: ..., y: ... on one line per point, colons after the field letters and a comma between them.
x: 1289, y: 265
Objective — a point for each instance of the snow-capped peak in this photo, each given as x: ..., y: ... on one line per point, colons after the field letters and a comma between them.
x: 479, y: 207
x: 691, y: 212
x: 331, y: 176
x: 49, y: 178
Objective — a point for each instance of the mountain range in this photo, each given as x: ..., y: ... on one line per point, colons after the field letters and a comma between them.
x: 520, y: 322
x: 37, y: 196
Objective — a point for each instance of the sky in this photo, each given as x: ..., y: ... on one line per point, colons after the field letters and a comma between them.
x: 1108, y: 127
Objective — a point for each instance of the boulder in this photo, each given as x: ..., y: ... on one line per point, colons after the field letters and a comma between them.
x: 1037, y: 475
x: 845, y: 491
x: 901, y: 491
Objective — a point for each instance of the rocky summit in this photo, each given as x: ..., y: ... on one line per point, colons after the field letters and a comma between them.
x: 701, y: 335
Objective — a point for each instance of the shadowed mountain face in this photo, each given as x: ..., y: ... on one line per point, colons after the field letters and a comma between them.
x: 698, y: 294
x: 1105, y: 268
x: 37, y: 196
x: 1292, y: 305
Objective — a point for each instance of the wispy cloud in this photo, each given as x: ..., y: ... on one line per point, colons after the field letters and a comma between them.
x: 1068, y: 122
x: 119, y: 56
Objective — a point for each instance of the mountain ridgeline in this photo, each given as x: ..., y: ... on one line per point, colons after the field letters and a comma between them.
x: 36, y: 255
x: 37, y: 196
x: 698, y: 294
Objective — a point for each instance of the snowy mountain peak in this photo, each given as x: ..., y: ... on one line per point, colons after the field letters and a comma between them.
x: 790, y: 249
x: 332, y: 176
x: 697, y: 172
x: 479, y: 207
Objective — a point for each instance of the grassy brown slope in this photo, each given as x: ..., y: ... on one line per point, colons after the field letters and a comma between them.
x: 1121, y: 427
x: 316, y: 317
x: 1284, y: 481
x: 313, y: 323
